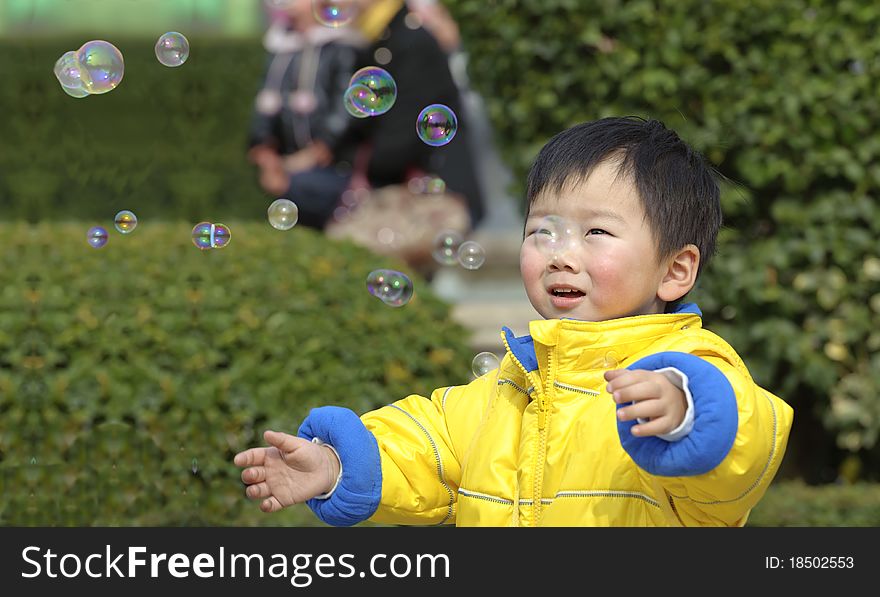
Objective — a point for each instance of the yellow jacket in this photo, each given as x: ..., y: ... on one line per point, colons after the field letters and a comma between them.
x: 537, y: 442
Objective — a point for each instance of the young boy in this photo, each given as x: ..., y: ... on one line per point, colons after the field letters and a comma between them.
x: 618, y: 409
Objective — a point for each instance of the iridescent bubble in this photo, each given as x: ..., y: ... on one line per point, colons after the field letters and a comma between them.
x: 221, y: 236
x: 436, y: 125
x: 435, y: 185
x: 202, y: 235
x: 333, y: 13
x: 125, y: 221
x: 390, y: 286
x: 102, y: 66
x: 97, y: 237
x: 556, y: 235
x: 471, y: 255
x: 446, y: 245
x: 283, y: 214
x: 484, y: 363
x: 77, y: 92
x: 416, y: 185
x: 358, y: 99
x: 381, y: 83
x: 172, y: 49
x: 611, y: 360
x: 404, y: 295
x: 67, y: 70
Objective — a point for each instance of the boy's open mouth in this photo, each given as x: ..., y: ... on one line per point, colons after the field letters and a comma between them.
x: 566, y: 292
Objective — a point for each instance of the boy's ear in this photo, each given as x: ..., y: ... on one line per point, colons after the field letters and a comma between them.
x: 681, y: 274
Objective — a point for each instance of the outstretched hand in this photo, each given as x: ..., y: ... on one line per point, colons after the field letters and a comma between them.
x: 289, y: 471
x: 654, y: 398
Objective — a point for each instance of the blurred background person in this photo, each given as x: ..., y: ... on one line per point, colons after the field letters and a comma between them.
x: 298, y: 111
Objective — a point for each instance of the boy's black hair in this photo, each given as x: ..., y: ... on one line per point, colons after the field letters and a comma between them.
x: 677, y: 186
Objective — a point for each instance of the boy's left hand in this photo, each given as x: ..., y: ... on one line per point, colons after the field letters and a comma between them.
x: 654, y: 398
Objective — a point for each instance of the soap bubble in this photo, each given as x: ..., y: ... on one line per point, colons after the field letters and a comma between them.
x: 77, y: 92
x: 436, y: 125
x: 471, y: 255
x: 381, y: 83
x: 125, y: 221
x: 172, y: 49
x: 446, y: 245
x: 97, y: 236
x: 611, y: 360
x: 358, y: 99
x: 392, y: 287
x: 283, y: 214
x: 483, y: 363
x: 222, y: 236
x: 102, y: 66
x: 67, y: 70
x: 206, y: 235
x: 201, y: 235
x: 556, y: 235
x: 435, y: 185
x: 333, y: 13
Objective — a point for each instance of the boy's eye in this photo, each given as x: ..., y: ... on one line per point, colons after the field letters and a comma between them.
x: 595, y: 231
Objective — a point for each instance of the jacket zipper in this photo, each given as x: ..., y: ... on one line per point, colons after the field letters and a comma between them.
x: 542, y: 419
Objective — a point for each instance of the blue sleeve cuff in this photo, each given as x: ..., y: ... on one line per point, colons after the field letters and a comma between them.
x: 357, y: 495
x: 715, y: 421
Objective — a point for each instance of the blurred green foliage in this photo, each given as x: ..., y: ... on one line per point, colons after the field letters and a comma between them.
x: 167, y: 143
x: 782, y: 97
x: 796, y: 504
x: 131, y: 374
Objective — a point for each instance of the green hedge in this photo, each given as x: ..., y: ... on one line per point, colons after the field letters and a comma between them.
x: 795, y: 504
x: 131, y: 374
x: 167, y: 143
x: 782, y: 97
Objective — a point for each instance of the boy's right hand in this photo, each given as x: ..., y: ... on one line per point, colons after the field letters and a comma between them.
x: 291, y: 470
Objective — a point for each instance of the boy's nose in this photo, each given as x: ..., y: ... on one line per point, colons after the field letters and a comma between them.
x: 563, y: 261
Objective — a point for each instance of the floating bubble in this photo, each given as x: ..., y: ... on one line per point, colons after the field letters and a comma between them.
x: 484, y: 363
x: 67, y: 70
x: 333, y: 13
x: 435, y: 185
x: 416, y: 185
x: 436, y: 125
x: 77, y: 92
x: 125, y: 221
x: 206, y: 235
x: 446, y: 245
x: 381, y: 83
x: 102, y: 66
x: 390, y: 286
x: 201, y: 235
x: 358, y: 99
x: 404, y: 296
x: 283, y: 214
x: 97, y: 237
x: 221, y: 237
x: 611, y: 360
x: 556, y: 235
x: 471, y: 255
x: 172, y: 49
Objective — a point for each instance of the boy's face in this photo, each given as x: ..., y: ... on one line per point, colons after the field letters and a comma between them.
x: 611, y: 261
